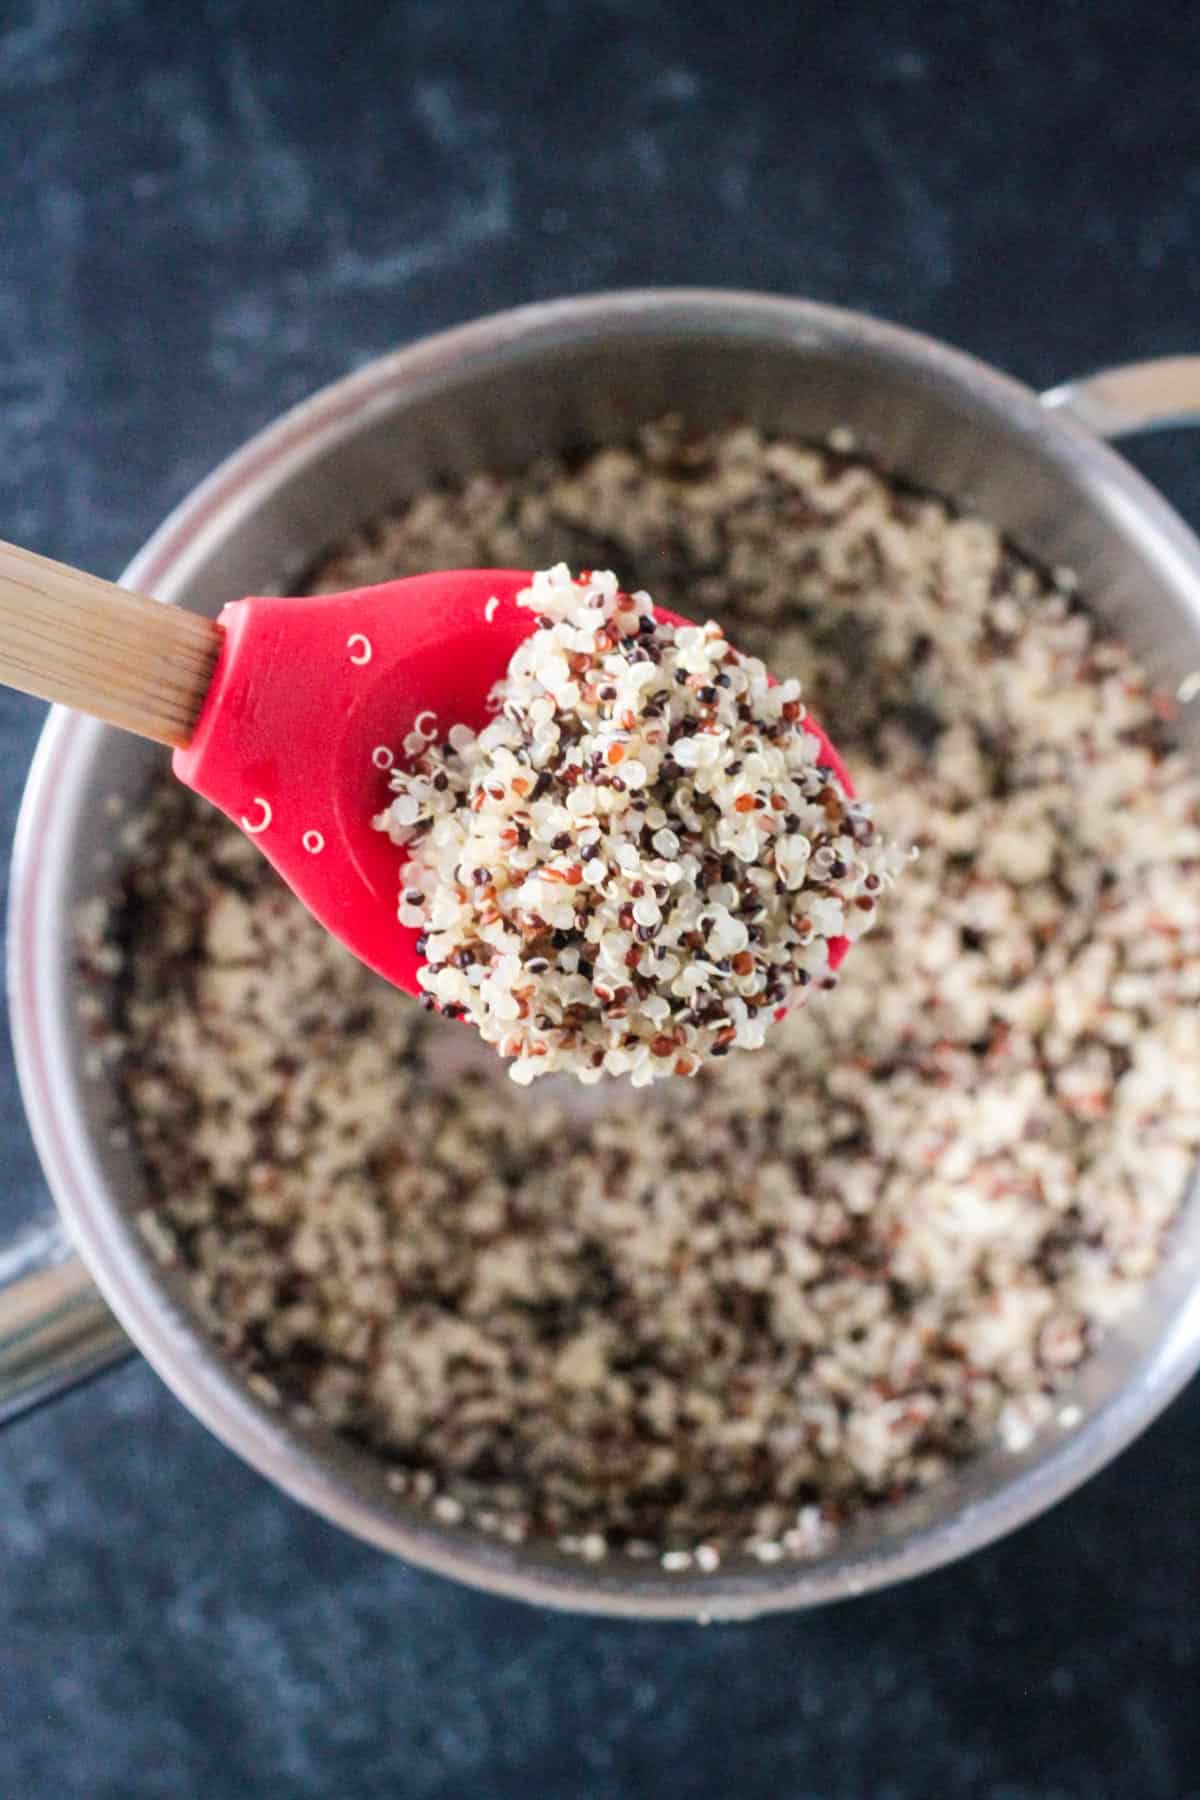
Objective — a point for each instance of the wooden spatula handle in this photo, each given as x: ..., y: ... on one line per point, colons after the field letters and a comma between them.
x: 118, y: 655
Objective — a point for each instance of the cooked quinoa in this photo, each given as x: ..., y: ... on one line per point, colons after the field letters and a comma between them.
x: 641, y: 859
x: 733, y: 1311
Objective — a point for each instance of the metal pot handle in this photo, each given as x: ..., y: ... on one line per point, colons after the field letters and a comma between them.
x: 1145, y: 396
x: 55, y: 1329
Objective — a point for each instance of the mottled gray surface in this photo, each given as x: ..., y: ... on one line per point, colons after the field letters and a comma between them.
x: 206, y: 211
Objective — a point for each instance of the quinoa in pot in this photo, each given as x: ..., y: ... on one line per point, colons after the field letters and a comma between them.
x: 729, y: 1312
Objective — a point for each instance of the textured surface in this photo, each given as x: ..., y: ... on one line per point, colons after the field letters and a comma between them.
x: 207, y: 211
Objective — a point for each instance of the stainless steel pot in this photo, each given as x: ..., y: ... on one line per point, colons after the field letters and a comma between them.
x: 545, y: 378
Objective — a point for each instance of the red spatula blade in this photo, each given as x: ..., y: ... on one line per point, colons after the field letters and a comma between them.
x: 309, y: 707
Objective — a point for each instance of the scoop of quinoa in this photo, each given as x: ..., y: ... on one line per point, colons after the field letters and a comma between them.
x: 642, y: 859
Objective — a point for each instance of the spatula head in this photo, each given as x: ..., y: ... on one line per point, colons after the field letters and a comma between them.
x: 308, y: 711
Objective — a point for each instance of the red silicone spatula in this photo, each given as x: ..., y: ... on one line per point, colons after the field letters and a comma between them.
x: 287, y: 714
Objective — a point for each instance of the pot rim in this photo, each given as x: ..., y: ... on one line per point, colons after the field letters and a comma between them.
x: 170, y: 1339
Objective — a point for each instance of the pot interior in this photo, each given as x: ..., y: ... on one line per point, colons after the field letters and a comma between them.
x: 569, y: 381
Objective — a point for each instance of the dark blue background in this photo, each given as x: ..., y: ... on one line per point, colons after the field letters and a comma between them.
x: 206, y: 210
